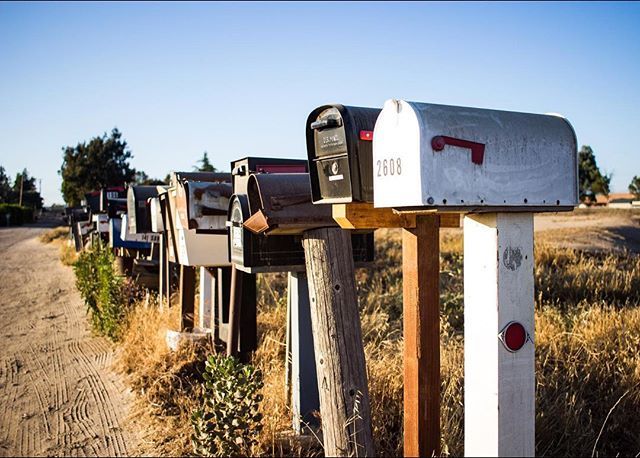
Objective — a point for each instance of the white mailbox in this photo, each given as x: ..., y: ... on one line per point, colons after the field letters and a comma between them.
x: 470, y: 159
x: 157, y: 224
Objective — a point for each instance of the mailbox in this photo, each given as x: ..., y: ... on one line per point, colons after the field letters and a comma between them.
x: 109, y: 194
x: 339, y: 147
x: 101, y: 222
x: 243, y: 168
x: 266, y: 224
x: 116, y: 240
x: 128, y: 236
x: 203, y: 204
x: 469, y: 159
x: 92, y: 201
x: 155, y: 209
x: 197, y: 235
x: 116, y: 207
x: 138, y: 210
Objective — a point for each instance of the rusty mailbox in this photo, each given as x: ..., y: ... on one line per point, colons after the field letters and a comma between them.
x: 339, y: 147
x: 196, y: 206
x: 267, y: 223
x: 470, y: 159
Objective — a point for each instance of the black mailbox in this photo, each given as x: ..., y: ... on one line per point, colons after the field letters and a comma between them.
x: 109, y: 194
x: 340, y: 151
x: 138, y: 211
x: 267, y: 223
x: 242, y: 168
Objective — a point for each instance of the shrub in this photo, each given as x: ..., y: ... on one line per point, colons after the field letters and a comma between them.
x: 57, y: 233
x: 228, y: 423
x: 17, y: 215
x: 104, y: 292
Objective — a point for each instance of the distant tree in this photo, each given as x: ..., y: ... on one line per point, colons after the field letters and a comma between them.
x: 5, y: 187
x: 634, y: 187
x: 592, y: 181
x: 205, y: 165
x: 30, y: 195
x: 102, y: 162
x: 143, y: 179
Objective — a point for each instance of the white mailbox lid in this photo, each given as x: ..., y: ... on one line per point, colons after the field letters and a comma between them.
x: 529, y: 161
x: 157, y: 224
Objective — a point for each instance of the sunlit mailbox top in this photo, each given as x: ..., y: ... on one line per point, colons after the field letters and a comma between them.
x: 339, y: 143
x: 242, y: 169
x: 470, y: 159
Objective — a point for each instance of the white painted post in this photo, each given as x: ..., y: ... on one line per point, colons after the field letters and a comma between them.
x: 207, y: 298
x: 161, y: 272
x: 499, y: 385
x: 304, y: 389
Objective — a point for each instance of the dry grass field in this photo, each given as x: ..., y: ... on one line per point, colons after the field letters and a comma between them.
x: 587, y: 279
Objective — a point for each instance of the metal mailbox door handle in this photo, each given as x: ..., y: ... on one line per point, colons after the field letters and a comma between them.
x: 477, y: 149
x: 326, y: 122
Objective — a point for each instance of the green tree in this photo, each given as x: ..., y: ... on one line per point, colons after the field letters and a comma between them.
x: 634, y: 187
x: 102, y: 162
x: 205, y: 165
x: 5, y: 187
x: 30, y: 195
x: 143, y: 179
x: 592, y: 181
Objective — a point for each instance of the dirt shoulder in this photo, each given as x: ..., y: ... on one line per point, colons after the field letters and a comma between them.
x: 58, y: 393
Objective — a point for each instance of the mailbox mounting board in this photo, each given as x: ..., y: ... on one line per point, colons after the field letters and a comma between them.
x: 439, y: 157
x: 339, y: 150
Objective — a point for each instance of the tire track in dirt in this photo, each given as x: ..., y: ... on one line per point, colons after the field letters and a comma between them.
x: 58, y: 394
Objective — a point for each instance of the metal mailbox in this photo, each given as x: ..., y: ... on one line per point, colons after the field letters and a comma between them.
x: 281, y: 204
x: 266, y: 224
x: 138, y: 209
x: 107, y: 195
x: 469, y: 159
x: 116, y: 207
x: 203, y: 204
x: 339, y: 147
x: 155, y: 208
x: 128, y: 236
x: 205, y: 245
x: 116, y: 240
x: 243, y: 168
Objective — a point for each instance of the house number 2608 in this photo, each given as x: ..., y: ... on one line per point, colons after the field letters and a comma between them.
x: 389, y: 167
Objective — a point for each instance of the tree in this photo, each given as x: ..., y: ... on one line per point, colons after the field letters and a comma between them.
x: 30, y: 195
x: 143, y: 179
x: 205, y: 166
x: 5, y: 187
x: 634, y: 187
x: 592, y: 181
x: 102, y: 162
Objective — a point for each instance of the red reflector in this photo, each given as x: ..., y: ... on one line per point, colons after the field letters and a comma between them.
x: 366, y: 135
x: 514, y: 336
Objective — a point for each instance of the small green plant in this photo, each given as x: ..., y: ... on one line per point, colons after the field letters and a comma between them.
x: 228, y: 423
x: 102, y: 289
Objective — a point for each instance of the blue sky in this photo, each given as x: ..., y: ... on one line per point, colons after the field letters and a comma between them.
x: 239, y: 79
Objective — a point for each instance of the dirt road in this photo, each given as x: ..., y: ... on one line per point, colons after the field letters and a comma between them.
x: 58, y: 394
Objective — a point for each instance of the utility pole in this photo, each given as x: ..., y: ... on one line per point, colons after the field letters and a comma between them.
x: 21, y: 186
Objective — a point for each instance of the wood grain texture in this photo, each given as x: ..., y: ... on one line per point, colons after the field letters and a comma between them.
x: 421, y: 304
x: 362, y: 215
x: 187, y: 296
x: 340, y: 362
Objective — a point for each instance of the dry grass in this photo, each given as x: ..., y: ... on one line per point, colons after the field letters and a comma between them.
x: 57, y: 233
x: 587, y: 343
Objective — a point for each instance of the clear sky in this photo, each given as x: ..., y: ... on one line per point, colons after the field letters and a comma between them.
x: 239, y: 79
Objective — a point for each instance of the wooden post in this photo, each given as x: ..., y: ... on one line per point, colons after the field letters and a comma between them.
x: 161, y: 273
x: 340, y: 362
x: 304, y: 391
x: 207, y: 298
x: 242, y: 329
x: 421, y: 323
x: 187, y: 296
x: 499, y: 384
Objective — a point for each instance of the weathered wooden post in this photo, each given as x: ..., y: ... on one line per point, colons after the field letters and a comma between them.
x: 340, y: 362
x: 187, y: 296
x: 207, y: 298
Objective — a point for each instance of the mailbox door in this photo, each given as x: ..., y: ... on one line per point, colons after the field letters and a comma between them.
x: 339, y: 147
x: 203, y: 205
x: 468, y: 158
